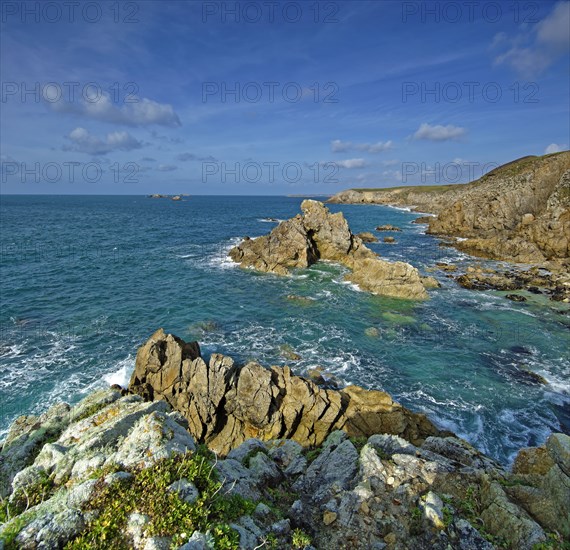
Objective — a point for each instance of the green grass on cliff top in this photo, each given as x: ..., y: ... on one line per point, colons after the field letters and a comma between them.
x: 509, y: 169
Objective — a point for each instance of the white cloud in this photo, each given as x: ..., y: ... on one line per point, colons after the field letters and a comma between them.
x: 554, y: 30
x: 351, y: 163
x: 84, y: 142
x: 555, y: 148
x: 167, y: 167
x: 185, y: 157
x: 339, y: 146
x: 143, y: 112
x: 439, y: 133
x: 532, y: 52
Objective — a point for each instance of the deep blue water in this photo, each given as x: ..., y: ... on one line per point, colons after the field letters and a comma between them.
x: 86, y: 280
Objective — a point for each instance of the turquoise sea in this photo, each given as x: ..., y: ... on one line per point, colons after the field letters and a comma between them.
x: 86, y: 280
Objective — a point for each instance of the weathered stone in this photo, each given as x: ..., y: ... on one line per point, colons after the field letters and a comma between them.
x: 432, y: 507
x: 186, y: 490
x: 226, y: 405
x: 558, y: 447
x: 333, y: 470
x: 318, y: 234
x: 367, y: 237
x: 533, y: 460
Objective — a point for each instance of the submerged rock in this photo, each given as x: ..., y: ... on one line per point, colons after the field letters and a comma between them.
x: 318, y: 234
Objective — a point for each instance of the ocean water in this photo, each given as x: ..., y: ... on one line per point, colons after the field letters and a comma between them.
x: 86, y: 280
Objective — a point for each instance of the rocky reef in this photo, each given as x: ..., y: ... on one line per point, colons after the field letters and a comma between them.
x: 320, y: 235
x: 121, y: 470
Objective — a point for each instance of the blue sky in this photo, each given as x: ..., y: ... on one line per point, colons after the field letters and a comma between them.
x: 276, y: 98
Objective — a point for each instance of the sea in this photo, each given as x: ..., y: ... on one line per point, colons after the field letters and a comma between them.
x: 85, y: 280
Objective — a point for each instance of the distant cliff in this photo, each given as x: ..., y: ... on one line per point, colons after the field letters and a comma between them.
x: 518, y: 212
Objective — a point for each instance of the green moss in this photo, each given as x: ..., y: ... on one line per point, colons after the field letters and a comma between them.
x: 23, y: 499
x: 312, y: 454
x: 300, y: 539
x: 11, y: 530
x: 553, y: 541
x: 147, y: 493
x: 254, y: 452
x: 358, y: 442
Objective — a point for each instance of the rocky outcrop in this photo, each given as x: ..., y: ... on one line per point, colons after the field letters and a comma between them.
x: 425, y: 198
x: 318, y: 234
x: 296, y: 466
x: 226, y: 404
x: 519, y: 212
x: 541, y: 483
x: 126, y: 473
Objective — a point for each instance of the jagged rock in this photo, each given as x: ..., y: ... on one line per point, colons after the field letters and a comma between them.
x: 519, y: 212
x: 543, y: 487
x: 343, y: 498
x: 318, y: 234
x: 332, y: 471
x: 430, y: 282
x: 51, y: 530
x: 287, y: 454
x: 26, y: 438
x: 287, y: 246
x: 558, y: 447
x: 238, y: 479
x: 389, y: 239
x: 225, y: 405
x: 533, y: 460
x: 432, y: 507
x: 505, y: 519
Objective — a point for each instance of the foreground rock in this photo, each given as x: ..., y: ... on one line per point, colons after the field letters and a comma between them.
x: 320, y: 235
x: 125, y: 473
x: 225, y: 404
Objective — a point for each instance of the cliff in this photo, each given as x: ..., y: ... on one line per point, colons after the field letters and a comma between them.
x: 121, y: 471
x: 519, y: 212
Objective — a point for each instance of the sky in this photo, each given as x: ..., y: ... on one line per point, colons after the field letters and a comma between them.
x: 273, y: 98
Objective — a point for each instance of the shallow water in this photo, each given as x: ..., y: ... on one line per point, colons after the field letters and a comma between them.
x: 86, y: 280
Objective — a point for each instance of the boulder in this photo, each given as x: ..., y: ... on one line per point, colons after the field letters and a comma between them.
x: 367, y: 237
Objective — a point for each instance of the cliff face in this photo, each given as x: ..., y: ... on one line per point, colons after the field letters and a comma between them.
x: 518, y: 212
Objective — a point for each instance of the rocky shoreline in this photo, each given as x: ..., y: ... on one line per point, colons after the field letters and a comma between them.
x: 295, y: 466
x: 519, y: 213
